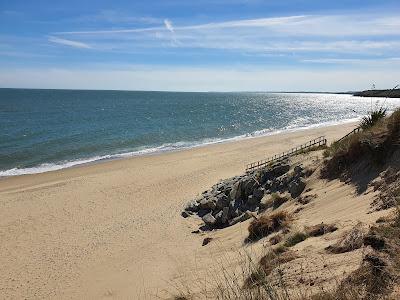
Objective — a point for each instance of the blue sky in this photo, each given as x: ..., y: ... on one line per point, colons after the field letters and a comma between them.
x: 220, y: 45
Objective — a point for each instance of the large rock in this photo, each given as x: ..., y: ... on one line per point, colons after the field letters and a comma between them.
x: 208, y: 203
x: 254, y: 200
x: 234, y: 211
x: 185, y: 214
x: 264, y: 175
x: 251, y: 201
x: 209, y: 219
x: 275, y: 184
x: 280, y: 169
x: 192, y: 206
x: 296, y: 187
x: 222, y: 201
x: 258, y: 193
x: 218, y: 217
x: 243, y: 217
x: 198, y: 198
x: 249, y: 186
x: 225, y: 215
x: 222, y: 216
x: 236, y: 192
x: 268, y: 184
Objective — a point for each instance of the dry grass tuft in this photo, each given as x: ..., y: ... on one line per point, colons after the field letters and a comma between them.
x: 342, y: 154
x: 272, y: 260
x: 373, y: 279
x: 351, y: 240
x: 181, y: 298
x: 276, y: 239
x: 320, y: 229
x: 393, y: 123
x: 267, y: 224
x: 376, y: 278
x: 295, y: 238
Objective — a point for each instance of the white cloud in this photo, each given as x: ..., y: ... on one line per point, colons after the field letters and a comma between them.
x: 70, y: 43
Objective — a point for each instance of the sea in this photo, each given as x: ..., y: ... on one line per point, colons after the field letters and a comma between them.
x: 45, y: 130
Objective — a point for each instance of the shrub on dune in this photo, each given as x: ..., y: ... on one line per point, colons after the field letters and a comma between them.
x: 373, y: 117
x: 267, y: 224
x: 295, y: 238
x: 374, y: 144
x: 351, y: 240
x: 269, y: 262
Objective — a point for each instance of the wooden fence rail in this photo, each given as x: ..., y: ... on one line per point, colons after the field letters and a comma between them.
x: 355, y: 130
x: 320, y: 141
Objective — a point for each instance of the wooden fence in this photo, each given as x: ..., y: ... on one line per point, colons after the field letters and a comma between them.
x: 355, y: 130
x: 320, y: 141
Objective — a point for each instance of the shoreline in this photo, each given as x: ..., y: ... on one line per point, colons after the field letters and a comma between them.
x: 114, y: 228
x: 50, y: 167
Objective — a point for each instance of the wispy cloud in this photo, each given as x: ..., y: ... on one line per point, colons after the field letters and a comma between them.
x: 168, y: 25
x: 70, y: 43
x: 299, y: 34
x: 304, y: 25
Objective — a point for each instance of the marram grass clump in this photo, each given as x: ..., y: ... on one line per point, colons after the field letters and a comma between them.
x: 374, y: 144
x: 373, y: 118
x: 267, y: 224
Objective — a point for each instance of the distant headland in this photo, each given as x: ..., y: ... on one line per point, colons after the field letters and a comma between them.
x: 393, y: 93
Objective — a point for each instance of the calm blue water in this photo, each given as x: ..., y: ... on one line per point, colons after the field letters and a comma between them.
x: 43, y: 130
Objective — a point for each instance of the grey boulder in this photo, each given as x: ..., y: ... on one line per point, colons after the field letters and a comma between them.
x: 296, y: 187
x: 207, y: 203
x: 209, y: 219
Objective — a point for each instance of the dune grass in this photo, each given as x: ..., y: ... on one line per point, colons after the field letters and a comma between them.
x: 373, y: 117
x: 375, y: 278
x: 375, y: 142
x: 350, y: 240
x: 267, y: 224
x: 320, y: 229
x: 295, y: 238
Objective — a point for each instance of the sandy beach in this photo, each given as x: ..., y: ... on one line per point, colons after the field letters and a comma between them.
x: 113, y: 229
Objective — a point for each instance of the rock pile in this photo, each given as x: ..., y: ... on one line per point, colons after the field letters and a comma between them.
x: 235, y: 199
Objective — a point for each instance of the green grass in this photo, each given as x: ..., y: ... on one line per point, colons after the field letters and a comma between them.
x: 374, y: 117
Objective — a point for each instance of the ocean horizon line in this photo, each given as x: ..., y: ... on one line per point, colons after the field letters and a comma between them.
x: 177, y: 91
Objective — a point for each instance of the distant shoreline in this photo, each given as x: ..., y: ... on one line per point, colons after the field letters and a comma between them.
x: 168, y: 91
x: 390, y: 93
x: 394, y: 93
